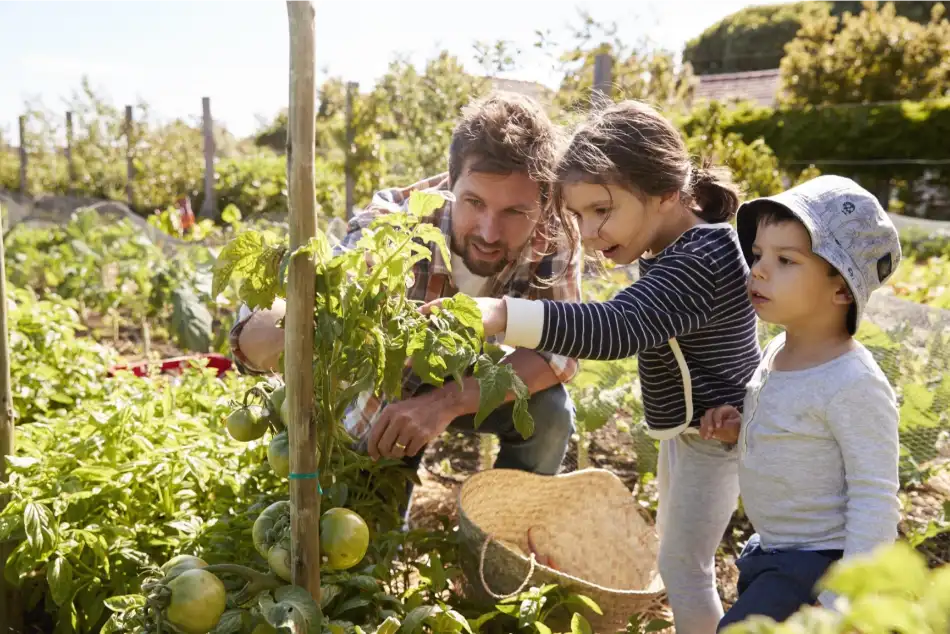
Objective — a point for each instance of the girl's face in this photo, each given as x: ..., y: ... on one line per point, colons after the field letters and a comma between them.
x: 615, y: 221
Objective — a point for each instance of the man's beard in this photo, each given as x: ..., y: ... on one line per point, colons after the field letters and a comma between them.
x: 478, y: 267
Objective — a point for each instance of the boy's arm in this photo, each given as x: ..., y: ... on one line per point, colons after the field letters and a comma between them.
x: 675, y: 297
x: 864, y: 420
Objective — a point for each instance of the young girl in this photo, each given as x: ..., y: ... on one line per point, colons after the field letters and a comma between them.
x: 627, y: 179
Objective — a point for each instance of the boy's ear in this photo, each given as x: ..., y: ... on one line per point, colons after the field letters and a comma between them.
x: 843, y: 296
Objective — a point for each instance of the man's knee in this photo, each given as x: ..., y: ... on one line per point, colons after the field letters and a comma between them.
x: 553, y: 412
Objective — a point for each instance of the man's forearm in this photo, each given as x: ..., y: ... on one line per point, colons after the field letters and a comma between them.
x: 533, y: 369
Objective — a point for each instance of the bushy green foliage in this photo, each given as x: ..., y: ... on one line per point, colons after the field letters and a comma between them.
x: 755, y: 37
x: 876, y: 55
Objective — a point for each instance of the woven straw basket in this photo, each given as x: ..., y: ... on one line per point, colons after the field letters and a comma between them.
x: 586, y: 525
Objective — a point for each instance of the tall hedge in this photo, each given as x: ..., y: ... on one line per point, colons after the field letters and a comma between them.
x: 842, y: 139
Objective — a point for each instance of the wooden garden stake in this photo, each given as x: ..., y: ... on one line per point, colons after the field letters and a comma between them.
x: 10, y: 603
x: 298, y: 321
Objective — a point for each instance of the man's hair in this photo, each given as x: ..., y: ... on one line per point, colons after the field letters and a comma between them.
x: 505, y: 133
x: 508, y: 133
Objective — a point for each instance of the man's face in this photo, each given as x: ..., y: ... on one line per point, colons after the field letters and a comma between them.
x: 493, y: 217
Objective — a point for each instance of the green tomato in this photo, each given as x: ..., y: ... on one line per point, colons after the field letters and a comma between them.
x: 198, y: 600
x: 278, y: 558
x: 263, y: 533
x: 278, y: 454
x: 285, y: 412
x: 247, y: 424
x: 180, y: 563
x: 344, y: 538
x: 276, y: 405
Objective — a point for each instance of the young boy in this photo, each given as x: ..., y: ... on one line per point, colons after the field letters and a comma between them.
x: 818, y: 442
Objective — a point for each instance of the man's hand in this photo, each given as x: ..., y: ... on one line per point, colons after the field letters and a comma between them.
x: 405, y: 427
x: 494, y: 313
x: 261, y: 340
x: 721, y: 423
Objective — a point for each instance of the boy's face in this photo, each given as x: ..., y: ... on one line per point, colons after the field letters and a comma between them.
x: 789, y: 285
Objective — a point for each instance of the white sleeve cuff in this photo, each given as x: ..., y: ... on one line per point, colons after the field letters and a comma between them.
x: 525, y: 322
x: 828, y: 600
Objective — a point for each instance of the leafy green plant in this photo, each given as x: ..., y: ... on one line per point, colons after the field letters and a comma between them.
x: 365, y: 330
x: 365, y: 333
x: 890, y: 590
x: 104, y: 490
x: 53, y: 369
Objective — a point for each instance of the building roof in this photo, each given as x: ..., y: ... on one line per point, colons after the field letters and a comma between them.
x: 528, y: 88
x: 761, y: 86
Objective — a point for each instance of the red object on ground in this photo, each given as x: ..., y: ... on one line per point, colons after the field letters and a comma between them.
x: 175, y: 365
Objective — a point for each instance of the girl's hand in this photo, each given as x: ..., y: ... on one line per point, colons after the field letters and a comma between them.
x: 721, y: 423
x: 494, y: 313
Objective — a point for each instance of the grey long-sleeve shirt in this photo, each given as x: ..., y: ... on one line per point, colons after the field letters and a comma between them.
x: 819, y: 455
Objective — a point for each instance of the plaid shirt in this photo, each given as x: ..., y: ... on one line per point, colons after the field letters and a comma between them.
x: 432, y: 280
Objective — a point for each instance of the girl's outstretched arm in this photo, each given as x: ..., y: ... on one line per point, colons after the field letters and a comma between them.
x: 674, y: 297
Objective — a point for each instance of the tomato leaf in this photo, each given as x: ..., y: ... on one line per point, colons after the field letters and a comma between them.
x: 236, y: 256
x: 232, y: 622
x: 579, y: 625
x: 295, y: 611
x: 422, y: 203
x: 581, y: 600
x: 191, y: 323
x: 390, y: 626
x: 494, y: 383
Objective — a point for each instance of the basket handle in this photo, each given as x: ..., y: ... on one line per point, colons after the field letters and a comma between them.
x: 481, y: 573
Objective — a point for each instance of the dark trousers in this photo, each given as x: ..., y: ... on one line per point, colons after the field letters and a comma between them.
x: 542, y: 452
x: 776, y: 583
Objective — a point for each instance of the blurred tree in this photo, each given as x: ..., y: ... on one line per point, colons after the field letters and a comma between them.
x: 418, y: 111
x: 639, y: 71
x: 875, y: 55
x: 751, y: 39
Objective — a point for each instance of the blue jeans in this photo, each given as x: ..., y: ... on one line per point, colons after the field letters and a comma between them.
x: 541, y: 453
x: 776, y: 583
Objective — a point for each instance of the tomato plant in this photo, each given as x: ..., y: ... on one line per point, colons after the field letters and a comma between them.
x: 365, y: 329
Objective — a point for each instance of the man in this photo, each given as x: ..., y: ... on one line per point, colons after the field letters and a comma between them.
x: 504, y: 239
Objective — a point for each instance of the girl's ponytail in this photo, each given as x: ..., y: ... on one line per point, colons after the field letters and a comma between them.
x: 713, y: 191
x: 630, y: 143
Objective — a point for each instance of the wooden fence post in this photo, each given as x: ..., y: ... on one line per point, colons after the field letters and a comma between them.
x: 352, y: 89
x: 603, y: 66
x: 129, y: 169
x: 208, y: 209
x: 11, y: 606
x: 298, y: 337
x: 69, y: 154
x: 24, y: 183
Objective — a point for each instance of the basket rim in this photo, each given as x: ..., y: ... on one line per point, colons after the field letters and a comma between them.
x: 618, y: 592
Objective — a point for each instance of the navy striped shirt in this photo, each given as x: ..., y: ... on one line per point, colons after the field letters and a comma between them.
x: 694, y: 290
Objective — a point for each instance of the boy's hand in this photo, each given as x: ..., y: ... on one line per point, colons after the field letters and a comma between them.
x: 721, y: 423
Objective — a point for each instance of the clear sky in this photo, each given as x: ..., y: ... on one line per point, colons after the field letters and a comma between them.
x: 171, y: 54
